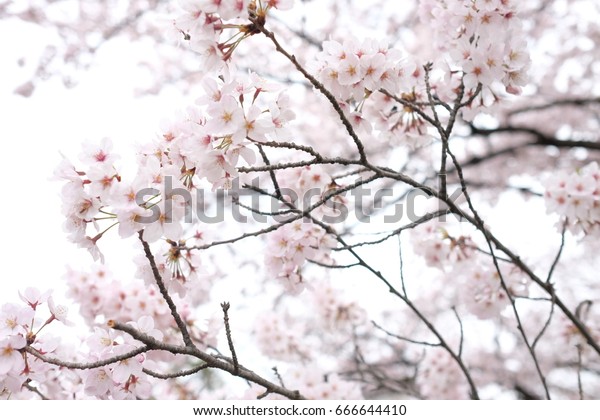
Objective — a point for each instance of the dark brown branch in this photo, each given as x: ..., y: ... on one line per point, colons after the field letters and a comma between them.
x: 293, y: 146
x: 211, y: 361
x: 236, y: 366
x: 525, y: 394
x: 165, y: 294
x: 297, y: 164
x: 319, y: 86
x: 332, y: 266
x: 173, y: 375
x: 556, y: 103
x: 462, y: 334
x: 271, y: 172
x: 85, y: 366
x: 541, y: 138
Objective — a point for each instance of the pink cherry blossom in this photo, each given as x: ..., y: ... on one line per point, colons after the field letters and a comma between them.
x: 15, y: 319
x: 322, y: 124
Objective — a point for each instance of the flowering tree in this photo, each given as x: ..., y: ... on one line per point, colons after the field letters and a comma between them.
x: 338, y: 175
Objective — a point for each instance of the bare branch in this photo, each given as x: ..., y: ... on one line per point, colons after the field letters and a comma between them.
x: 236, y: 366
x: 86, y: 366
x: 173, y: 375
x: 33, y: 389
x: 462, y: 334
x: 211, y: 361
x: 409, y: 340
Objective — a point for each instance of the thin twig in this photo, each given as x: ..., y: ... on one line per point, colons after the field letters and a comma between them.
x: 558, y: 254
x: 165, y: 294
x: 271, y: 172
x: 443, y: 133
x: 551, y: 287
x: 236, y: 366
x: 332, y: 266
x: 481, y: 226
x: 395, y: 232
x: 401, y: 265
x: 290, y: 145
x: 319, y: 86
x: 556, y: 103
x: 410, y: 304
x: 409, y: 340
x: 35, y: 390
x: 278, y: 376
x: 462, y: 335
x: 579, y: 364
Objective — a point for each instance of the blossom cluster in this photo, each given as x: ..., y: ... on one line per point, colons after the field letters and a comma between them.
x: 482, y: 38
x: 575, y: 197
x: 439, y: 248
x: 21, y: 328
x: 290, y: 247
x: 293, y: 243
x: 123, y: 379
x: 314, y: 384
x: 477, y: 284
x: 205, y: 144
x: 440, y: 377
x: 353, y: 69
x: 357, y: 72
x: 280, y: 338
x: 203, y: 22
x: 102, y: 297
x: 484, y: 290
x: 335, y: 311
x: 477, y: 43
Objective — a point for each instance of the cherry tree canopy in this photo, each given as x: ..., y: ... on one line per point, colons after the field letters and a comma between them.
x: 355, y: 199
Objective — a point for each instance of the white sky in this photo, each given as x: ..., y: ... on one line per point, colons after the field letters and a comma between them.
x: 53, y: 120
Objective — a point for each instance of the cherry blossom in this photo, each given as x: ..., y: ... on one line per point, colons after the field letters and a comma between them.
x: 441, y: 377
x: 14, y: 319
x: 10, y: 357
x: 575, y: 197
x: 311, y: 132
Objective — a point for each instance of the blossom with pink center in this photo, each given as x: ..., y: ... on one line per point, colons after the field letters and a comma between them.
x: 280, y: 4
x: 575, y: 197
x: 33, y: 297
x: 98, y: 154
